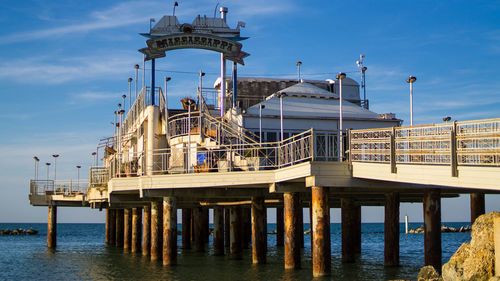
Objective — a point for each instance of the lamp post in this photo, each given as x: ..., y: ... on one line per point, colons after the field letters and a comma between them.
x: 55, y: 165
x: 48, y: 165
x: 261, y: 106
x: 129, y: 92
x: 200, y: 94
x: 124, y: 97
x: 340, y: 77
x: 166, y: 106
x: 136, y: 67
x: 281, y: 96
x: 298, y: 64
x: 411, y: 80
x: 94, y: 154
x: 36, y: 166
x: 78, y: 175
x: 363, y: 80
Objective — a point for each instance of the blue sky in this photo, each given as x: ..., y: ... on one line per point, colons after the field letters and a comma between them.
x: 64, y: 66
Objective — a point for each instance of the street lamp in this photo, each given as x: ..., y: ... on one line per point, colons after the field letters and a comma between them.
x: 123, y: 97
x: 340, y: 77
x: 281, y: 96
x: 411, y: 80
x: 55, y: 165
x: 78, y: 175
x: 200, y: 95
x: 298, y: 64
x: 261, y: 106
x: 36, y: 166
x: 48, y: 165
x: 130, y: 92
x: 136, y: 67
x: 94, y: 156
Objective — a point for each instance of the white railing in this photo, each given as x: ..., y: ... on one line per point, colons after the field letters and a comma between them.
x: 59, y: 187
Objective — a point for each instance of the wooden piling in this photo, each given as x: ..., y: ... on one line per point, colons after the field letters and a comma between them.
x: 235, y: 232
x: 218, y: 231
x: 146, y: 231
x: 477, y: 206
x: 199, y: 242
x: 112, y: 226
x: 186, y: 228
x: 321, y: 229
x: 280, y: 227
x: 119, y: 228
x: 432, y: 228
x: 169, y: 231
x: 52, y: 227
x: 127, y: 229
x: 391, y: 229
x: 259, y: 230
x: 227, y: 224
x: 156, y: 230
x: 348, y: 230
x: 292, y: 247
x: 136, y: 230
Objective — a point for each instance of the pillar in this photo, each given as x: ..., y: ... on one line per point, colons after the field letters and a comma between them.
x: 246, y: 227
x: 292, y: 247
x: 205, y: 225
x: 235, y: 232
x: 348, y: 230
x: 106, y: 227
x: 136, y: 230
x: 218, y: 231
x: 52, y: 227
x: 112, y: 226
x: 280, y: 225
x: 169, y: 231
x: 311, y: 232
x: 321, y: 228
x: 146, y: 231
x: 476, y: 205
x: 391, y: 229
x: 186, y: 228
x: 259, y: 230
x: 199, y: 241
x: 119, y: 228
x: 127, y: 229
x: 156, y: 230
x: 227, y: 223
x: 432, y: 228
x: 357, y: 227
x: 300, y: 227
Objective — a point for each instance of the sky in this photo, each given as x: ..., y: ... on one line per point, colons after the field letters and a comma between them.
x: 64, y: 66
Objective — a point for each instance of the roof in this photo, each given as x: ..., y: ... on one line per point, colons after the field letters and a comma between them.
x: 306, y: 90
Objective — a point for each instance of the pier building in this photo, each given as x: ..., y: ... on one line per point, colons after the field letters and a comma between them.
x: 280, y: 144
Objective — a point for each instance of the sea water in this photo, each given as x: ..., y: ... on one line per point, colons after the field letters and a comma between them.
x: 81, y: 254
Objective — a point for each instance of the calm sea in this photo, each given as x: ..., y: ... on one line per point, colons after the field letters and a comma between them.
x: 82, y: 255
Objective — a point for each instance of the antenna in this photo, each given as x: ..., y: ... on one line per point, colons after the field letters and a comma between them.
x: 363, y: 80
x: 175, y: 5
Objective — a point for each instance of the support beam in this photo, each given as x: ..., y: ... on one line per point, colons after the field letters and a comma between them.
x: 106, y: 227
x: 119, y: 228
x: 259, y: 231
x: 112, y: 226
x: 199, y: 243
x: 476, y: 206
x: 235, y: 229
x: 136, y: 230
x: 146, y: 231
x: 186, y: 228
x: 156, y: 230
x: 52, y: 227
x: 127, y: 229
x: 280, y: 227
x: 218, y: 231
x: 321, y: 232
x: 169, y: 231
x: 348, y: 230
x: 292, y: 247
x: 432, y: 228
x: 227, y: 224
x: 391, y: 229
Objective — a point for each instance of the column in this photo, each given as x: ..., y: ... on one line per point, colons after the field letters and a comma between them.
x: 186, y: 228
x: 348, y: 230
x: 259, y: 231
x: 235, y: 229
x: 476, y: 205
x: 199, y: 241
x: 127, y: 228
x: 156, y: 230
x: 119, y: 228
x: 292, y: 247
x: 52, y: 227
x: 432, y: 228
x: 357, y: 227
x: 391, y: 229
x: 205, y: 225
x: 280, y: 226
x: 321, y: 229
x: 146, y: 231
x: 169, y: 231
x: 300, y: 227
x: 246, y: 227
x: 218, y: 231
x: 106, y: 227
x: 136, y: 229
x: 112, y: 226
x: 227, y: 223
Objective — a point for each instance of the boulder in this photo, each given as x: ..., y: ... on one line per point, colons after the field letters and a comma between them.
x: 428, y: 273
x: 474, y: 260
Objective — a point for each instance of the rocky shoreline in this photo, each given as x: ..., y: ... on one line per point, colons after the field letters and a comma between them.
x: 443, y: 229
x: 18, y: 231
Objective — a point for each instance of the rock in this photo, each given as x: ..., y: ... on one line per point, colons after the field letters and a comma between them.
x: 428, y: 273
x: 474, y: 260
x: 495, y: 278
x: 31, y: 231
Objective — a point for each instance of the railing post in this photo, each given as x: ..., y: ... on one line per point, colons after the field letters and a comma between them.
x: 313, y: 149
x: 393, y: 151
x: 453, y: 150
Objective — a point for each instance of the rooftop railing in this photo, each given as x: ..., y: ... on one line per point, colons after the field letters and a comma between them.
x: 59, y: 187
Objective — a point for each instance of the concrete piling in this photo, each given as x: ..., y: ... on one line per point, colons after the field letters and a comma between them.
x: 119, y: 228
x: 52, y: 227
x: 245, y: 227
x: 198, y: 235
x: 218, y: 231
x: 146, y: 231
x: 357, y: 227
x: 156, y: 230
x: 112, y: 226
x: 321, y: 229
x: 432, y: 228
x: 186, y: 228
x: 106, y: 227
x: 127, y: 229
x: 136, y: 230
x: 169, y: 231
x: 391, y: 229
x: 259, y: 230
x: 280, y: 227
x: 235, y: 232
x: 205, y: 224
x: 227, y: 223
x: 477, y: 205
x: 300, y: 226
x: 348, y: 230
x: 292, y: 246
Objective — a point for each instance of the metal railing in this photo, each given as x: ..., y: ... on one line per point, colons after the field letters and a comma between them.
x: 468, y: 143
x: 142, y: 101
x: 59, y: 187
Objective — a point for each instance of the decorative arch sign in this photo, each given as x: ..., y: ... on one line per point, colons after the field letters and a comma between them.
x: 158, y: 46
